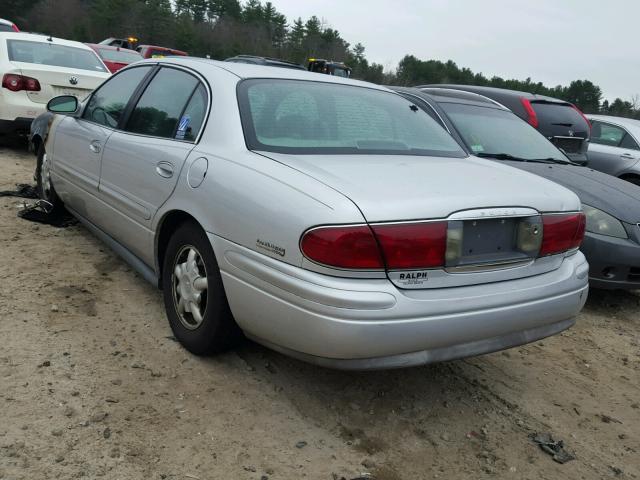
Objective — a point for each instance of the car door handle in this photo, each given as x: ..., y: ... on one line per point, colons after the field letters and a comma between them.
x: 627, y: 155
x: 164, y: 169
x: 95, y: 146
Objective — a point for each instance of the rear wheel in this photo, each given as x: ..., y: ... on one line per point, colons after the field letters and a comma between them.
x: 44, y: 185
x: 194, y: 296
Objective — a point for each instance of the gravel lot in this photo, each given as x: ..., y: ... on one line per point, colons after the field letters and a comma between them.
x: 93, y: 385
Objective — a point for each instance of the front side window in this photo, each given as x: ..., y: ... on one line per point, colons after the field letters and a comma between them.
x: 606, y: 134
x: 306, y: 117
x: 161, y: 106
x: 488, y: 130
x: 47, y: 53
x: 107, y: 104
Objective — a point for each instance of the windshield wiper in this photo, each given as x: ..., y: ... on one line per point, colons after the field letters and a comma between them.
x: 508, y: 156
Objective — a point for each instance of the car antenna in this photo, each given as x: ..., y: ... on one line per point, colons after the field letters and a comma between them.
x: 49, y: 38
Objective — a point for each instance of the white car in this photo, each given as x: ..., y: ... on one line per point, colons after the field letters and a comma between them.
x: 36, y: 68
x: 8, y: 26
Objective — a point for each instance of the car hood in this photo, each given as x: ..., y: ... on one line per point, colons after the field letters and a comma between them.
x: 599, y: 190
x: 406, y: 187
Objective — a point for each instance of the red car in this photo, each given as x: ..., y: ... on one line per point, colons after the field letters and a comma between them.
x: 153, y: 51
x: 115, y: 58
x: 8, y: 26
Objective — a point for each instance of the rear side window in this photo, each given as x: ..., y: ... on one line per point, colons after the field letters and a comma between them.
x: 561, y: 114
x: 629, y: 142
x: 193, y: 116
x: 606, y: 134
x: 162, y: 104
x: 46, y: 53
x: 107, y: 104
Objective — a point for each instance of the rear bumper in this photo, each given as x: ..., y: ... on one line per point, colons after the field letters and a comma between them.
x: 614, y: 263
x: 18, y: 126
x: 362, y: 323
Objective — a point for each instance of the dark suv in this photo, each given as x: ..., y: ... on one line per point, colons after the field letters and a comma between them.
x: 561, y: 122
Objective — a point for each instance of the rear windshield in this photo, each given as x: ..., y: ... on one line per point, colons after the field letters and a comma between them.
x: 45, y: 53
x: 307, y: 117
x: 492, y: 131
x: 120, y: 56
x: 559, y: 114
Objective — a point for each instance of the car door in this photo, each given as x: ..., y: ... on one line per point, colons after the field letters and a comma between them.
x: 613, y: 149
x: 79, y: 141
x: 142, y: 162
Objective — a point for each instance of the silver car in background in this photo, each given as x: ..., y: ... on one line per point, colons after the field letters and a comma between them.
x: 326, y: 218
x: 615, y: 146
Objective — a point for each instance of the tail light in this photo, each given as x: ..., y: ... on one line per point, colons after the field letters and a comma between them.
x: 582, y: 115
x: 532, y: 116
x: 352, y: 247
x: 15, y: 83
x: 394, y: 246
x: 562, y: 232
x: 413, y: 245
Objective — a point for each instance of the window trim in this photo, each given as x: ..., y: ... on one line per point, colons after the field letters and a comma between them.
x: 139, y: 91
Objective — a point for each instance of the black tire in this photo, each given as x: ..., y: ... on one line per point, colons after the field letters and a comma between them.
x: 45, y: 190
x: 217, y: 330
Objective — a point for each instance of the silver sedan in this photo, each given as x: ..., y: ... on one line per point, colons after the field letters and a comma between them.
x: 326, y: 218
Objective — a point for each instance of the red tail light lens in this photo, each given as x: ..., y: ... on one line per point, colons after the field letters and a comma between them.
x: 562, y: 232
x: 352, y: 247
x: 413, y: 245
x: 15, y: 83
x: 532, y: 116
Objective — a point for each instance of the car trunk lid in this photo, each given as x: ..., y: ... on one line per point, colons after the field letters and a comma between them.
x: 484, y: 205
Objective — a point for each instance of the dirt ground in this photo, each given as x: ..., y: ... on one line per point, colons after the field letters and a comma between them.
x: 93, y: 385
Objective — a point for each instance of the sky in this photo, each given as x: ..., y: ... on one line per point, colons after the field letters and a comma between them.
x: 552, y: 41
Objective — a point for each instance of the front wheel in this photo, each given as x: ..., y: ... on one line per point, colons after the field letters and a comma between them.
x: 194, y: 296
x: 46, y: 191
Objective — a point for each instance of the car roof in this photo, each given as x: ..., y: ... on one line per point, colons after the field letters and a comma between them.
x: 447, y: 95
x: 110, y: 47
x: 248, y: 71
x: 35, y: 37
x: 489, y: 91
x: 6, y: 22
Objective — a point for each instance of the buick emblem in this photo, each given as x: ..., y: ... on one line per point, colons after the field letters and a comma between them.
x: 571, y: 133
x: 73, y: 80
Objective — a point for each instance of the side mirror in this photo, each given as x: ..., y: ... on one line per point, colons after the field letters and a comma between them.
x: 64, y: 104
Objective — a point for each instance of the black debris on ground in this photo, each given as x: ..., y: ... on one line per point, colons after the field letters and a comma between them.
x: 23, y: 190
x: 38, y: 213
x: 552, y: 447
